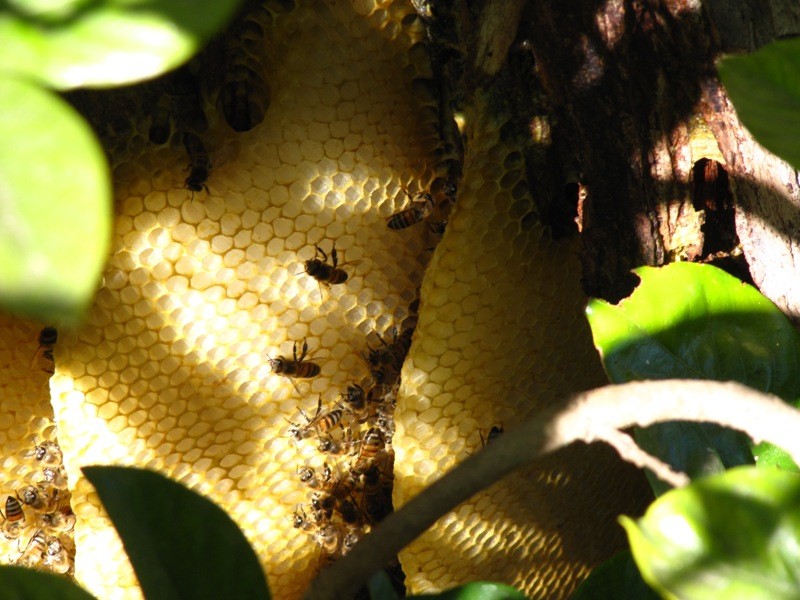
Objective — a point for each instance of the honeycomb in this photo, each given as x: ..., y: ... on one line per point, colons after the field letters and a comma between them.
x: 37, y: 523
x: 206, y: 286
x: 501, y: 335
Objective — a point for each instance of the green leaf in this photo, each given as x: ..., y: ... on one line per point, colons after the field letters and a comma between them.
x: 733, y: 535
x: 695, y: 321
x: 478, y: 590
x: 180, y: 544
x: 17, y: 583
x: 618, y: 577
x: 765, y: 89
x: 55, y: 199
x: 380, y: 587
x: 72, y: 43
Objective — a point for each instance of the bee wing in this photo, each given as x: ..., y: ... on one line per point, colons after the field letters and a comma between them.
x: 222, y: 155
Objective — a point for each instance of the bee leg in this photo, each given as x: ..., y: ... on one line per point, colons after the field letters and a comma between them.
x: 321, y: 251
x: 294, y: 352
x: 305, y: 350
x: 333, y: 255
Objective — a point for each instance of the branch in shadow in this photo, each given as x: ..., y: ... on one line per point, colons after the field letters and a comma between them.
x: 589, y: 417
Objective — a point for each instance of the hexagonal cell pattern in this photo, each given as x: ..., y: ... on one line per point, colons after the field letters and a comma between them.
x: 500, y: 335
x: 205, y: 287
x: 31, y: 502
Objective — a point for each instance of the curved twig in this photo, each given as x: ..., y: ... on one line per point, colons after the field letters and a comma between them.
x: 587, y: 417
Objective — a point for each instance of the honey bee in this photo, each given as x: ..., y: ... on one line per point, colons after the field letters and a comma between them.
x: 32, y: 555
x: 385, y: 363
x: 308, y: 476
x: 328, y: 538
x: 47, y: 341
x: 376, y: 498
x: 55, y: 477
x: 245, y: 97
x: 437, y: 227
x: 380, y: 394
x: 321, y: 423
x: 300, y: 520
x: 13, y: 518
x: 350, y: 540
x: 297, y: 367
x: 56, y: 557
x: 372, y: 444
x: 323, y: 504
x: 175, y: 96
x: 494, y: 433
x: 48, y: 453
x: 199, y: 163
x: 328, y: 445
x: 385, y: 423
x: 61, y: 519
x: 348, y: 510
x: 36, y: 497
x: 182, y: 86
x: 324, y: 272
x: 421, y: 206
x: 355, y: 400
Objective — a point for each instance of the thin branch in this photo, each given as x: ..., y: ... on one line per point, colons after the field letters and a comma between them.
x: 629, y: 451
x: 587, y: 417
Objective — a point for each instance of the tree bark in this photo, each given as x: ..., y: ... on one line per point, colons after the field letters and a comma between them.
x: 634, y: 92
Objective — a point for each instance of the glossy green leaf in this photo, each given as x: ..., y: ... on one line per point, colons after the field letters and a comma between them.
x: 478, y: 590
x: 72, y: 43
x: 618, y: 577
x: 181, y: 545
x: 55, y: 198
x: 733, y: 535
x: 17, y: 583
x: 695, y: 321
x: 765, y: 89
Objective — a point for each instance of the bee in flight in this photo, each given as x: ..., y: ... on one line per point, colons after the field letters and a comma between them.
x: 421, y: 207
x: 199, y: 163
x: 295, y: 368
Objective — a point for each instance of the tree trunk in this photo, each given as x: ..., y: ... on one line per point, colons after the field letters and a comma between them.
x: 634, y: 96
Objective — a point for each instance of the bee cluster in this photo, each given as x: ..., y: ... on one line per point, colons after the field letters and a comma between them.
x: 349, y: 487
x: 228, y: 75
x: 350, y: 483
x: 38, y: 518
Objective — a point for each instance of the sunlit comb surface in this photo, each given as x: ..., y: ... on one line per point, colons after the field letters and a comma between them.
x: 205, y: 286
